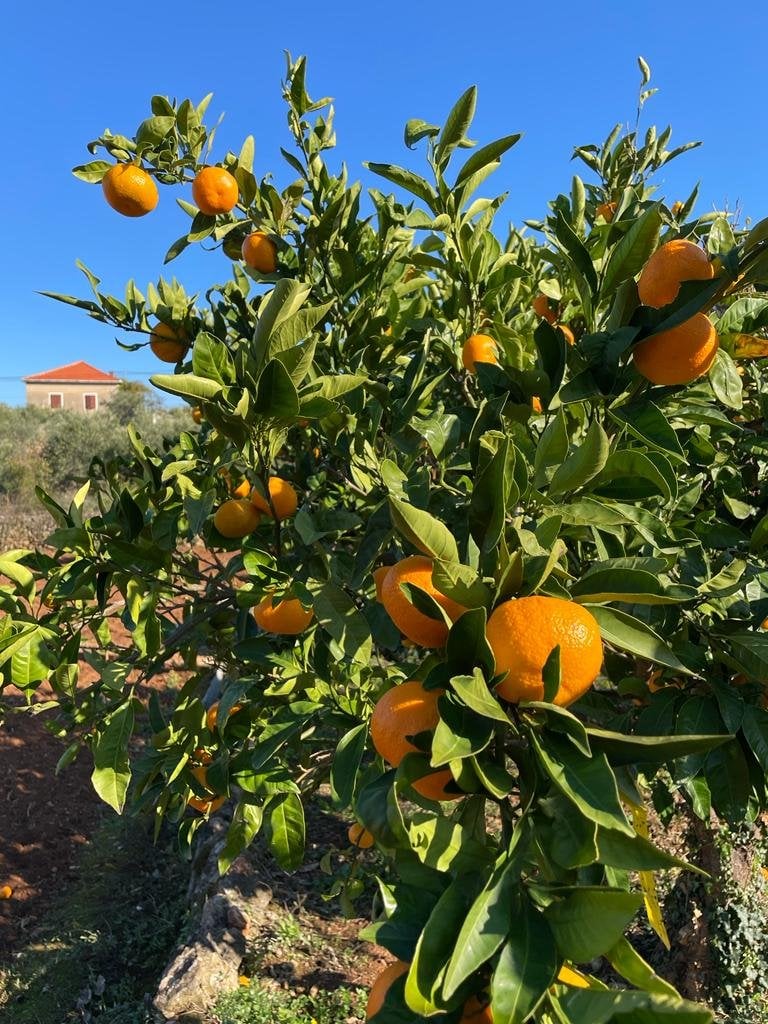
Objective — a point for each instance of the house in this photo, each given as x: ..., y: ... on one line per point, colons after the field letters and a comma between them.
x: 78, y: 387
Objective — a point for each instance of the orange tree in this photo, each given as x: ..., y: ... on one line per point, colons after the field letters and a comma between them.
x: 535, y: 572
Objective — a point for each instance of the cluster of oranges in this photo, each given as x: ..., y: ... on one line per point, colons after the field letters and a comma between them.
x: 521, y: 633
x: 130, y: 190
x: 685, y: 352
x: 676, y: 356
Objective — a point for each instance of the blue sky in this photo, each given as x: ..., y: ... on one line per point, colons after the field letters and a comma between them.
x: 562, y: 73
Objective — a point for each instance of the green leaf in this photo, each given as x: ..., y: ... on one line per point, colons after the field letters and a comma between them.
x: 188, y: 385
x: 528, y: 964
x: 584, y: 463
x: 245, y: 825
x: 423, y: 531
x: 111, y: 767
x: 460, y: 733
x: 633, y: 466
x: 629, y: 256
x: 621, y: 749
x: 635, y: 853
x: 295, y: 328
x: 489, y: 154
x: 211, y: 359
x: 346, y: 764
x: 588, y: 782
x: 588, y: 922
x: 579, y: 254
x: 92, y: 172
x: 725, y: 381
x: 339, y: 617
x: 590, y: 1006
x: 486, y: 925
x: 276, y: 393
x: 286, y: 299
x: 649, y: 424
x: 411, y: 182
x: 285, y: 829
x: 632, y: 586
x: 455, y: 129
x: 630, y: 634
x: 473, y: 691
x: 436, y: 944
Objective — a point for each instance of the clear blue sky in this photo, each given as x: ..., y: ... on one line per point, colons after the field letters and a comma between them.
x: 562, y: 73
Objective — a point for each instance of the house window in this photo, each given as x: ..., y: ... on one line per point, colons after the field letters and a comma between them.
x: 90, y: 401
x: 55, y: 399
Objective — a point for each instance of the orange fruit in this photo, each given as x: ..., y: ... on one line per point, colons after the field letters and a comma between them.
x: 260, y: 252
x: 243, y: 490
x: 197, y: 414
x: 476, y: 1012
x: 566, y: 331
x: 606, y: 211
x: 284, y: 499
x: 202, y: 756
x: 671, y: 264
x: 381, y: 986
x: 679, y: 355
x: 236, y: 518
x: 166, y: 344
x: 536, y: 405
x: 212, y: 715
x: 214, y: 190
x: 200, y: 772
x: 359, y: 836
x: 286, y: 618
x: 544, y: 307
x: 378, y: 579
x: 478, y: 348
x: 6, y: 892
x: 416, y: 569
x: 522, y: 634
x: 130, y: 190
x: 406, y: 710
x: 764, y: 624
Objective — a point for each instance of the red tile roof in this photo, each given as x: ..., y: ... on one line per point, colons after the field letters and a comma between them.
x: 74, y: 373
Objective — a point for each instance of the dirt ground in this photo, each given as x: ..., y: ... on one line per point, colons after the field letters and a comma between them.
x: 45, y: 821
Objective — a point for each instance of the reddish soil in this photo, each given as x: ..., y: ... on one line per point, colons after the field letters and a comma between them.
x: 44, y: 822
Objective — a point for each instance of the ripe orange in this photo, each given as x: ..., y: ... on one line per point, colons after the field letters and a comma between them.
x: 212, y: 715
x: 406, y: 710
x: 679, y: 355
x: 243, y: 490
x: 197, y: 414
x: 287, y: 617
x: 478, y: 348
x: 200, y: 772
x: 167, y: 345
x: 6, y: 892
x: 606, y: 211
x: 381, y: 986
x: 522, y: 634
x: 236, y: 518
x: 214, y: 190
x: 260, y: 252
x: 671, y: 264
x: 416, y: 569
x: 544, y: 307
x: 378, y: 579
x: 130, y: 190
x: 536, y: 405
x: 360, y: 837
x: 566, y: 331
x: 284, y: 499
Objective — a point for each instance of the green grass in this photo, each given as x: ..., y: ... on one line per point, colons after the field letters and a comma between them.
x: 255, y: 1005
x: 104, y: 942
